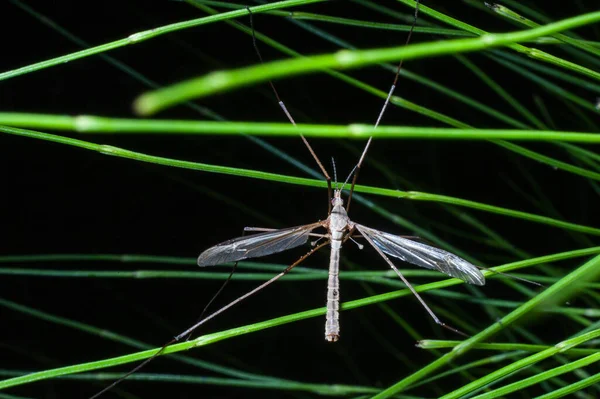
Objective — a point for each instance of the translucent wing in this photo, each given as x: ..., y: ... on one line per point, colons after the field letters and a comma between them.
x: 256, y: 245
x: 424, y: 255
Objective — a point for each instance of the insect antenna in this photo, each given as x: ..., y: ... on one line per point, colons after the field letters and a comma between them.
x: 289, y: 116
x: 348, y: 178
x: 334, y: 171
x: 385, y: 104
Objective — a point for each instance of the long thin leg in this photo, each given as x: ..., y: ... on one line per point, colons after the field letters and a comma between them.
x: 289, y: 116
x: 214, y: 297
x: 233, y: 269
x: 250, y: 293
x: 411, y: 288
x: 385, y: 104
x: 211, y: 316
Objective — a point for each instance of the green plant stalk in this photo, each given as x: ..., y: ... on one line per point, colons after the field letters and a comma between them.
x: 221, y: 81
x: 283, y: 385
x: 137, y: 258
x: 121, y: 258
x: 546, y: 84
x: 414, y: 195
x: 310, y: 275
x: 216, y: 337
x: 502, y: 303
x: 575, y: 387
x: 152, y: 33
x: 441, y: 344
x: 96, y: 124
x: 515, y: 386
x: 299, y: 15
x: 508, y: 13
x: 87, y: 124
x: 384, y: 277
x: 484, y: 362
x: 587, y: 271
x: 530, y: 52
x: 504, y: 95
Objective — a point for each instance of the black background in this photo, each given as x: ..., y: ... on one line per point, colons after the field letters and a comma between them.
x: 60, y: 199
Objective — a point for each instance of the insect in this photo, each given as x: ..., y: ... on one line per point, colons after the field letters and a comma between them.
x: 340, y: 228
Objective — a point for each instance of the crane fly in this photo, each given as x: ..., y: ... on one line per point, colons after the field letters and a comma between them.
x: 339, y: 229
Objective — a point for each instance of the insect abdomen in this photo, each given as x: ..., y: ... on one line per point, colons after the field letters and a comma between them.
x: 332, y: 321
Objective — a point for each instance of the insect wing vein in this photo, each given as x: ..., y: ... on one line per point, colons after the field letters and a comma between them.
x: 424, y: 255
x: 256, y: 245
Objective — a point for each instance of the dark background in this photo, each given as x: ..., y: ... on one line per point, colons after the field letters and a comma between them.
x: 58, y: 199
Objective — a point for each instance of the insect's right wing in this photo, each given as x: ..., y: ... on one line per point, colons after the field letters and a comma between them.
x: 256, y: 245
x: 423, y: 255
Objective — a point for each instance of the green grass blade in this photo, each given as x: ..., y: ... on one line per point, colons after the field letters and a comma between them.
x: 588, y: 271
x: 150, y: 34
x: 414, y: 195
x: 583, y: 273
x: 217, y: 82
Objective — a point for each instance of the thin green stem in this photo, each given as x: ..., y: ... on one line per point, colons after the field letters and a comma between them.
x: 414, y: 195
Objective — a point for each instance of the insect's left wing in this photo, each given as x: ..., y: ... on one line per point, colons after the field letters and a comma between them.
x: 424, y: 255
x: 256, y: 245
